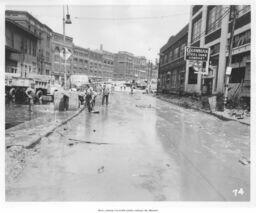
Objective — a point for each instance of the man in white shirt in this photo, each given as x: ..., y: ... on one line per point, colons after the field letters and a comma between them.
x: 30, y: 92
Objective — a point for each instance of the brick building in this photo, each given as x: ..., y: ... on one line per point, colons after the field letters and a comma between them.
x: 41, y: 50
x: 172, y: 65
x: 81, y: 61
x: 108, y: 64
x: 58, y: 45
x: 20, y: 50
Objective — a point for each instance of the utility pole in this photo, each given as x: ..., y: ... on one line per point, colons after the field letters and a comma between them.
x: 233, y: 14
x: 64, y: 53
x: 65, y: 21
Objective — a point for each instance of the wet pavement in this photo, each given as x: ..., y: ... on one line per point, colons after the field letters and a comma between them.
x: 16, y: 114
x: 138, y: 148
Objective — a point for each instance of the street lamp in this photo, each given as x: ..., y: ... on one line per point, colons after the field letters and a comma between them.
x: 65, y: 21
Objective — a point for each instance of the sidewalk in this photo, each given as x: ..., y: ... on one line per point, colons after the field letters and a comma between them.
x: 29, y: 133
x: 192, y: 103
x: 20, y: 139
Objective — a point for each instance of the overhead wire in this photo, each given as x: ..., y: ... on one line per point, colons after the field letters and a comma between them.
x: 218, y: 20
x: 129, y: 18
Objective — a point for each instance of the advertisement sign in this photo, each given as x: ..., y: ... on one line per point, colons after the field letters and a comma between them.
x: 197, y: 53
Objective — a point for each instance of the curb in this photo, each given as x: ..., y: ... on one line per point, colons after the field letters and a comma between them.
x: 49, y: 132
x: 221, y: 117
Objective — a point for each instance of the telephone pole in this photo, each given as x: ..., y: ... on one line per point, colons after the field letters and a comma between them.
x: 233, y: 15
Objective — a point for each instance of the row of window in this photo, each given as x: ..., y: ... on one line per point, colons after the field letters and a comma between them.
x: 214, y: 17
x: 173, y: 54
x: 108, y: 62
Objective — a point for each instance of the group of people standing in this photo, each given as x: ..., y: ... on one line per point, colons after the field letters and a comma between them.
x: 91, y: 94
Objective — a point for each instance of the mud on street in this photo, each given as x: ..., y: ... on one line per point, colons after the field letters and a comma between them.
x: 138, y: 148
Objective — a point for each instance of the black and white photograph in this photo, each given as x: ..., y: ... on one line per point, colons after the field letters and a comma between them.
x: 127, y: 102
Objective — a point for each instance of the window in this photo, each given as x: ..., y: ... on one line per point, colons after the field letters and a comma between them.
x: 176, y: 53
x: 173, y: 78
x: 165, y: 59
x: 47, y: 72
x: 242, y: 39
x: 196, y: 30
x: 171, y: 55
x: 214, y: 21
x: 242, y: 9
x: 34, y: 48
x: 192, y: 76
x: 182, y: 49
x: 48, y: 41
x: 215, y: 49
x: 47, y: 56
x: 237, y: 75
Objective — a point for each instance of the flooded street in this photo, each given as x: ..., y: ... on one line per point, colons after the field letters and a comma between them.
x: 19, y: 113
x: 138, y: 148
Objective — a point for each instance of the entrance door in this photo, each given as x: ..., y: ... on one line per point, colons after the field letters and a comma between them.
x: 208, y: 83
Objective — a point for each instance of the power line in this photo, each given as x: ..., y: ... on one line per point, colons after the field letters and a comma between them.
x: 216, y: 22
x: 129, y: 18
x: 219, y: 19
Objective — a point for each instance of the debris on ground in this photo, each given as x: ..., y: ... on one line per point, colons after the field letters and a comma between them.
x: 101, y: 169
x: 144, y: 106
x: 96, y: 112
x: 94, y: 130
x: 244, y: 161
x: 84, y: 141
x: 15, y: 162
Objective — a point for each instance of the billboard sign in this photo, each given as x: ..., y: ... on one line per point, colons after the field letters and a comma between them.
x: 197, y: 53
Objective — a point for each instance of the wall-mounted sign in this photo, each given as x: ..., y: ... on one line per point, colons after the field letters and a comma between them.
x: 197, y: 53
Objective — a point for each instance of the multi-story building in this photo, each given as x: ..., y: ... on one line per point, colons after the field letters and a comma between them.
x: 21, y: 46
x: 140, y: 68
x: 58, y: 46
x: 81, y: 61
x: 95, y: 65
x: 108, y: 64
x: 210, y: 27
x: 41, y: 49
x: 123, y: 66
x: 172, y: 67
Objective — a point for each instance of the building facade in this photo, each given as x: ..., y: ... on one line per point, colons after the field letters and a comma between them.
x: 172, y: 66
x: 81, y: 61
x: 210, y: 27
x: 20, y: 49
x: 128, y: 67
x: 58, y: 46
x: 140, y: 68
x: 96, y: 65
x: 124, y: 66
x: 41, y: 49
x: 108, y: 65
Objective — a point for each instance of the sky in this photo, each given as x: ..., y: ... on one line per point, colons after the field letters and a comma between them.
x: 141, y: 30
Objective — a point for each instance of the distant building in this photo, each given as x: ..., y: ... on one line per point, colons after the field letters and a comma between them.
x: 128, y: 67
x: 58, y: 46
x: 81, y: 61
x: 210, y: 27
x: 96, y: 65
x: 123, y: 66
x: 108, y: 65
x: 172, y: 67
x: 140, y: 68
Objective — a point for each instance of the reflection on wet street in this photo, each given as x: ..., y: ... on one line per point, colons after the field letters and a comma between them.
x: 138, y: 148
x: 19, y: 113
